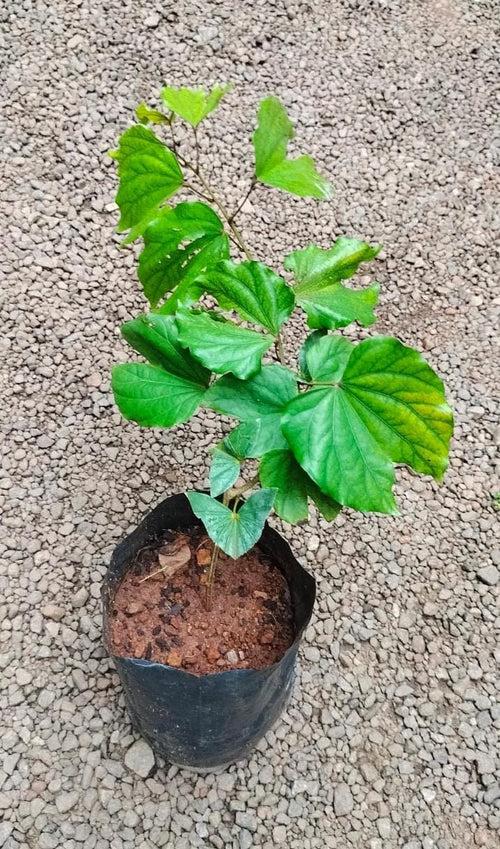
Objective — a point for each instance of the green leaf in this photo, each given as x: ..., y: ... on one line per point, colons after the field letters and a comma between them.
x: 193, y: 105
x: 252, y: 289
x: 156, y: 337
x: 259, y: 403
x: 389, y: 407
x: 280, y: 469
x: 224, y: 471
x: 234, y: 532
x: 221, y: 345
x: 324, y: 357
x: 152, y: 397
x: 318, y: 289
x: 270, y: 140
x: 149, y: 174
x: 146, y: 115
x: 179, y: 244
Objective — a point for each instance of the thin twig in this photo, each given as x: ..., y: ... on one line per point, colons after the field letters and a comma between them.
x: 235, y: 492
x: 241, y: 205
x: 280, y: 349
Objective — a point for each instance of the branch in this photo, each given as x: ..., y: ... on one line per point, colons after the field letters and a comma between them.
x: 241, y: 205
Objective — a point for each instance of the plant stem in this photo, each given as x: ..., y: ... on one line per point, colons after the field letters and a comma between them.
x: 210, y: 195
x: 211, y: 577
x: 235, y: 492
x: 241, y: 205
x: 280, y: 349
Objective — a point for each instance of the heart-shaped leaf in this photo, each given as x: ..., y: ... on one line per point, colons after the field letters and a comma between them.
x: 388, y: 406
x: 224, y: 471
x: 149, y: 174
x: 221, y: 345
x: 270, y: 140
x: 191, y: 104
x: 234, y: 532
x: 252, y: 289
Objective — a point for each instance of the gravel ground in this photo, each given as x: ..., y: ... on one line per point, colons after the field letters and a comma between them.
x: 390, y: 739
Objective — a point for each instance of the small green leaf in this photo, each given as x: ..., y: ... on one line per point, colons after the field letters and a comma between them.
x: 318, y: 289
x: 324, y: 357
x: 179, y: 244
x: 193, y: 105
x: 280, y: 469
x: 252, y: 289
x: 234, y: 532
x: 259, y: 403
x: 388, y: 406
x: 221, y: 345
x: 146, y: 115
x: 152, y: 397
x: 149, y: 174
x: 224, y: 471
x: 156, y: 337
x: 270, y: 140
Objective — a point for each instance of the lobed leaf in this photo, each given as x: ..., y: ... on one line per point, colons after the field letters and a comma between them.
x: 234, y: 532
x: 252, y: 289
x: 387, y: 406
x: 193, y: 105
x: 221, y: 345
x: 146, y: 115
x: 149, y: 174
x: 180, y: 244
x: 270, y: 140
x: 318, y: 272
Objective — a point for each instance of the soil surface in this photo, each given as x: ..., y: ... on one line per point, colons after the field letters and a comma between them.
x: 159, y: 611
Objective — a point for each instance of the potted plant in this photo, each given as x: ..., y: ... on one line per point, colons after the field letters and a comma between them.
x: 204, y: 603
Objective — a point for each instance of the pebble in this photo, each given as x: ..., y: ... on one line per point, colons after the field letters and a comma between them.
x: 343, y: 802
x: 139, y: 758
x: 488, y: 575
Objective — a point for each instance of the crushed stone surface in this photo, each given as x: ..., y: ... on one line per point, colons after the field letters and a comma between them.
x: 391, y: 739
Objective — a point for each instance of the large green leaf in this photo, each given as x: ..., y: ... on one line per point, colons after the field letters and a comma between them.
x: 259, y: 404
x: 156, y: 337
x: 149, y: 174
x: 179, y: 244
x: 280, y: 469
x: 153, y: 397
x: 252, y: 289
x: 234, y: 532
x: 224, y: 471
x: 387, y: 407
x: 221, y: 345
x: 318, y: 289
x: 193, y: 105
x: 270, y: 140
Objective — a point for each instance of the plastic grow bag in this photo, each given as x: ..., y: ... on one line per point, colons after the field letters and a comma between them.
x: 204, y: 721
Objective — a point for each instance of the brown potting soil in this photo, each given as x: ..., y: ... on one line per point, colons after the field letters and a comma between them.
x: 165, y: 619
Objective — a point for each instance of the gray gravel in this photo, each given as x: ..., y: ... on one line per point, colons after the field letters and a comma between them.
x: 390, y: 741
